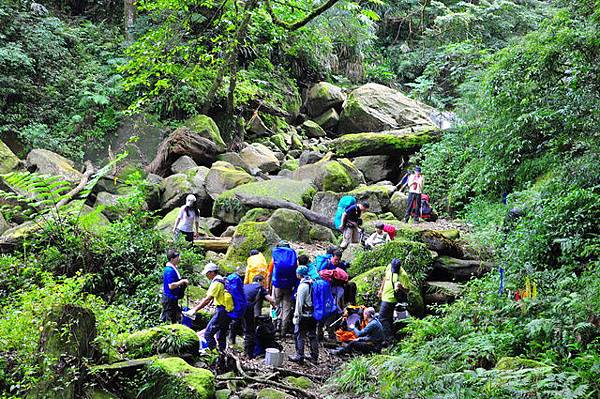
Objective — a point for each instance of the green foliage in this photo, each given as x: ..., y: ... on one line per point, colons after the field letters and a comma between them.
x: 58, y: 80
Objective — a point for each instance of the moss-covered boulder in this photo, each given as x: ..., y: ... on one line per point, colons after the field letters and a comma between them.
x: 234, y: 159
x: 378, y: 196
x: 113, y: 205
x: 223, y: 176
x: 395, y: 143
x: 328, y: 120
x: 229, y: 209
x: 398, y: 204
x: 271, y: 393
x: 8, y: 160
x: 290, y: 225
x: 518, y: 363
x: 282, y: 141
x: 312, y: 129
x: 321, y: 233
x: 173, y: 339
x: 51, y: 164
x: 249, y: 236
x: 374, y: 108
x: 259, y: 156
x: 416, y: 258
x: 175, y: 188
x: 369, y: 283
x: 322, y: 96
x: 183, y: 164
x: 206, y: 127
x: 376, y: 168
x: 257, y: 215
x: 173, y: 378
x: 299, y: 382
x: 291, y: 164
x: 330, y: 175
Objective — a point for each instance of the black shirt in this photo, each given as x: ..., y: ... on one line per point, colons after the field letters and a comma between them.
x: 353, y: 214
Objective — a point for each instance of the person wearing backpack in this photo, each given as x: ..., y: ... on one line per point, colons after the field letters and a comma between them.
x: 255, y: 265
x: 350, y: 223
x: 378, y: 237
x: 283, y: 278
x: 219, y: 323
x: 391, y: 292
x: 173, y: 289
x: 305, y: 323
x: 415, y: 189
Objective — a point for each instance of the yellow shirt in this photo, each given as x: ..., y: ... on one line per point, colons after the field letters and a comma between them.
x: 220, y: 296
x: 388, y: 287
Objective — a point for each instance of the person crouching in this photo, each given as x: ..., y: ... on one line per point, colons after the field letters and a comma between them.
x: 304, y: 321
x: 369, y: 339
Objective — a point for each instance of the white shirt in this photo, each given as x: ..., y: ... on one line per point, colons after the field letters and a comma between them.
x: 186, y: 220
x: 376, y: 239
x: 415, y: 184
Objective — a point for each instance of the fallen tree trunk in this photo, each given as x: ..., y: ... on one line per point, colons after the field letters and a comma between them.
x: 217, y: 244
x: 270, y: 203
x: 446, y: 268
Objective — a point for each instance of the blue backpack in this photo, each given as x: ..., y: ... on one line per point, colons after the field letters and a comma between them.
x: 235, y: 286
x: 323, y: 303
x: 344, y: 202
x: 285, y: 262
x: 321, y: 262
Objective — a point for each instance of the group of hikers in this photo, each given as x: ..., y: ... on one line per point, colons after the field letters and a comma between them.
x: 308, y: 297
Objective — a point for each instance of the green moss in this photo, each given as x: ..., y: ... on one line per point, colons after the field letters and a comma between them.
x: 299, y: 382
x: 360, y: 144
x: 207, y: 128
x: 281, y: 142
x: 270, y: 393
x: 337, y: 178
x: 517, y: 363
x: 195, y: 293
x: 368, y: 217
x: 249, y: 236
x: 291, y: 164
x: 174, y: 339
x: 173, y: 378
x: 8, y: 160
x: 415, y: 256
x: 362, y: 189
x: 290, y: 225
x: 257, y: 215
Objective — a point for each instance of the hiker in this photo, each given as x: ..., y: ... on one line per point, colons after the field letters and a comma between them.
x: 351, y: 222
x: 173, y: 289
x: 254, y: 292
x: 378, y: 237
x: 188, y: 220
x: 283, y: 278
x: 368, y: 340
x: 391, y: 292
x: 415, y: 189
x: 255, y: 265
x: 219, y: 323
x: 304, y: 321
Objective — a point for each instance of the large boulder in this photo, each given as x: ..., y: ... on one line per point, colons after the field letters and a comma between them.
x: 4, y: 225
x: 290, y: 225
x: 325, y: 203
x: 229, y: 209
x: 154, y: 341
x: 312, y: 129
x: 176, y: 187
x: 377, y: 196
x: 374, y: 108
x: 321, y: 233
x: 398, y: 204
x: 237, y: 161
x: 224, y: 176
x: 259, y: 156
x: 206, y: 127
x: 322, y: 96
x: 8, y: 160
x: 376, y: 168
x: 249, y: 236
x: 174, y: 378
x: 308, y: 157
x: 330, y: 175
x: 183, y: 164
x: 328, y: 120
x: 111, y: 204
x: 394, y: 142
x: 49, y: 163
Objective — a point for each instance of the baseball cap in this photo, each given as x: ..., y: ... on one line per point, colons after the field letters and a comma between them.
x: 210, y: 267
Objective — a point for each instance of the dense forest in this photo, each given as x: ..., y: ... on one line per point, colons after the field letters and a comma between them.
x: 99, y: 100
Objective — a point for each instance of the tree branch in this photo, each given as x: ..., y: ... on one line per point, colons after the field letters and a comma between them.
x: 89, y: 171
x: 300, y: 23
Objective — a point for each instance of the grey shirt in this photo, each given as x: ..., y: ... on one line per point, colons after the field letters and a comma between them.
x: 304, y: 303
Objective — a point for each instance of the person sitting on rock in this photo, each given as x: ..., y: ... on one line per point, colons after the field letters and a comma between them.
x: 378, y: 237
x: 188, y: 219
x: 304, y: 321
x: 219, y: 323
x: 368, y: 340
x: 173, y: 289
x: 351, y: 222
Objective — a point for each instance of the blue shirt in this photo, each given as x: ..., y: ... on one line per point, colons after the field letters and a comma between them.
x: 254, y: 293
x: 372, y: 332
x: 352, y: 213
x: 171, y: 276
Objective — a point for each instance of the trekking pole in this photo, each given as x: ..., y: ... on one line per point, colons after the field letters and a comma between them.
x: 335, y: 322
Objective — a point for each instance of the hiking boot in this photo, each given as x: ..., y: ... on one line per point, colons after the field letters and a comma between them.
x: 296, y: 359
x: 189, y: 314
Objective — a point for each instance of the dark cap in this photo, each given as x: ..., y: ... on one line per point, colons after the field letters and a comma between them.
x: 379, y: 225
x: 417, y: 168
x: 365, y: 204
x: 172, y: 254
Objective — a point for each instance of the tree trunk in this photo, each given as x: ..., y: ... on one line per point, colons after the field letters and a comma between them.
x: 446, y: 268
x: 270, y: 203
x: 129, y: 18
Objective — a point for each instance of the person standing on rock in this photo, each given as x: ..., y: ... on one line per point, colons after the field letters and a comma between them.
x: 389, y: 292
x: 351, y: 222
x: 217, y: 327
x: 304, y: 320
x: 415, y: 189
x: 283, y: 278
x: 188, y: 220
x: 173, y: 289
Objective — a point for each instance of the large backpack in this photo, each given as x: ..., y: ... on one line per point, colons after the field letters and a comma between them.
x: 321, y: 262
x: 343, y: 203
x: 323, y: 302
x: 234, y: 285
x: 390, y: 229
x: 285, y: 262
x: 257, y: 264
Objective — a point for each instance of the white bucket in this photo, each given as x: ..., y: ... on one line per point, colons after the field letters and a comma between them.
x: 273, y: 357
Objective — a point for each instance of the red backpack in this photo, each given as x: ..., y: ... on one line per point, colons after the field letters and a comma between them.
x: 391, y: 230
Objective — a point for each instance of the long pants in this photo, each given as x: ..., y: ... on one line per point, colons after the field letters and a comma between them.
x: 351, y: 235
x: 283, y: 299
x: 171, y: 311
x: 363, y: 347
x: 248, y: 325
x: 386, y: 317
x: 307, y: 326
x: 216, y: 330
x: 413, y: 197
